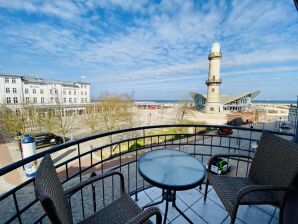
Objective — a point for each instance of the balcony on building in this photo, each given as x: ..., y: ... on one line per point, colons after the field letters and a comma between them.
x: 76, y: 160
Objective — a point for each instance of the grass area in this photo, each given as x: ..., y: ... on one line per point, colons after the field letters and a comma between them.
x: 171, y: 134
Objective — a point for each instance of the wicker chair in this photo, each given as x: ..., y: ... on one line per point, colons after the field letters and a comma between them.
x: 53, y: 199
x: 272, y: 173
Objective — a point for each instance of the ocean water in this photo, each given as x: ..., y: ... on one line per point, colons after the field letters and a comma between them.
x: 294, y: 102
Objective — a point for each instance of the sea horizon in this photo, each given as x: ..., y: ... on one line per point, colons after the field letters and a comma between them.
x: 253, y: 101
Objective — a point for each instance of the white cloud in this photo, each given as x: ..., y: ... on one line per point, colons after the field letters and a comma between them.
x: 143, y: 42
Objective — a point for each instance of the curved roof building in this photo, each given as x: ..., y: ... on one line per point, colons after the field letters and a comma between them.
x: 214, y: 102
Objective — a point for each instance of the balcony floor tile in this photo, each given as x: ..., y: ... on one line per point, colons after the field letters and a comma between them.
x: 212, y: 212
x: 191, y: 215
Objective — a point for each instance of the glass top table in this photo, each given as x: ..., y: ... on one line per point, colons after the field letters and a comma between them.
x: 172, y: 171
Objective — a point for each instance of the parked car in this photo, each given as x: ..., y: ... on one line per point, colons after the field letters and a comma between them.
x: 284, y: 126
x: 224, y: 131
x: 47, y: 139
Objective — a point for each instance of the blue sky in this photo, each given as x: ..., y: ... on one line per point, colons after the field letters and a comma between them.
x: 156, y: 49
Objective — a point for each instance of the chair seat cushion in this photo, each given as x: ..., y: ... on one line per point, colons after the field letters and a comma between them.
x: 118, y: 212
x: 227, y: 188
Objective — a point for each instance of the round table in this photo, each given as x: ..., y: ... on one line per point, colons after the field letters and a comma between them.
x: 172, y: 171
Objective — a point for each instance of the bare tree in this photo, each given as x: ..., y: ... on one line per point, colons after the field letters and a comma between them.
x: 90, y: 118
x: 49, y: 120
x: 127, y: 113
x: 64, y: 120
x: 115, y: 111
x: 161, y: 111
x: 12, y: 121
x: 183, y: 108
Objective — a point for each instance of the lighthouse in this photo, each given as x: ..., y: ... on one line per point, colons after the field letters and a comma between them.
x: 214, y: 81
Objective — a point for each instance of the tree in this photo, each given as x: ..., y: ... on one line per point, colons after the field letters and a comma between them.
x: 91, y: 118
x: 183, y: 108
x: 49, y: 120
x: 127, y: 111
x: 161, y: 111
x: 64, y: 119
x: 13, y: 119
x: 115, y: 111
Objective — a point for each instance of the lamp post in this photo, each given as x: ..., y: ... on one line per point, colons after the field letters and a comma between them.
x: 296, y: 114
x: 19, y: 138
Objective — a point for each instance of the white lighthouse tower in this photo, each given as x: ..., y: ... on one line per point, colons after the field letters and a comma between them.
x: 213, y: 82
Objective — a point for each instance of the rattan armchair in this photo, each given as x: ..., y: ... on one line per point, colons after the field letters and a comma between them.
x: 53, y: 199
x: 272, y: 173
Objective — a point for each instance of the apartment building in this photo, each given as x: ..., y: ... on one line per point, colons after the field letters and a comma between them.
x: 22, y: 90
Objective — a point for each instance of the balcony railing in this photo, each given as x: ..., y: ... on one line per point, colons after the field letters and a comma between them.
x: 117, y: 150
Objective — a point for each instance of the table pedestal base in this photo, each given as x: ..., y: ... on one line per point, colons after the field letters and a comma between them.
x: 168, y: 196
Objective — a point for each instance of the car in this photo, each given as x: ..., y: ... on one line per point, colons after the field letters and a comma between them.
x: 47, y: 139
x: 224, y: 131
x: 284, y: 126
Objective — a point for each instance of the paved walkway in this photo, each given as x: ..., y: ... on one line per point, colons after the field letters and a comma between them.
x: 8, y: 152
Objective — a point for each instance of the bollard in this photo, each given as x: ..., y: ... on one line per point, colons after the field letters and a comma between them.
x: 29, y: 149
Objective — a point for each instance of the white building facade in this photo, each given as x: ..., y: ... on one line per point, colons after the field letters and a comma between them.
x: 21, y: 90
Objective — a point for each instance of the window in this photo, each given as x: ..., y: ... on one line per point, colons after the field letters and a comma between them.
x: 7, y: 90
x: 34, y: 100
x: 27, y: 100
x: 212, y: 90
x: 75, y: 100
x: 85, y: 100
x: 85, y: 93
x: 26, y: 90
x: 64, y: 92
x: 56, y: 91
x: 69, y: 92
x: 213, y: 77
x: 13, y: 80
x: 41, y: 91
x: 34, y: 91
x: 74, y: 92
x: 8, y: 100
x: 51, y: 91
x: 81, y: 92
x: 42, y: 99
x: 64, y: 100
x: 211, y: 108
x: 70, y: 100
x: 15, y: 100
x: 51, y: 100
x: 82, y: 100
x: 6, y: 80
x: 14, y: 90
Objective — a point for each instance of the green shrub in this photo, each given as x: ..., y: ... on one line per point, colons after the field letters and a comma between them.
x: 133, y: 145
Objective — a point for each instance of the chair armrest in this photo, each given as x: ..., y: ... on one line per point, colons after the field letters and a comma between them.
x: 79, y: 186
x: 252, y: 188
x: 145, y: 215
x: 226, y: 156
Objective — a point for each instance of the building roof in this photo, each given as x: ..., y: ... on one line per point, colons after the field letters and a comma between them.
x: 10, y: 75
x: 38, y: 80
x: 225, y: 99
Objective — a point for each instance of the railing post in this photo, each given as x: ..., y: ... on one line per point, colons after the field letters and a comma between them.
x: 296, y: 132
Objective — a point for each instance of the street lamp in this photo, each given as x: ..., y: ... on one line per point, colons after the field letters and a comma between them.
x: 19, y: 138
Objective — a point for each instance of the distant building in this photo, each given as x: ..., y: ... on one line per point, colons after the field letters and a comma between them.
x: 21, y: 90
x: 214, y: 102
x: 293, y: 114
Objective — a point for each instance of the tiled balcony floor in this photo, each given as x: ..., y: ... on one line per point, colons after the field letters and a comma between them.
x: 213, y: 211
